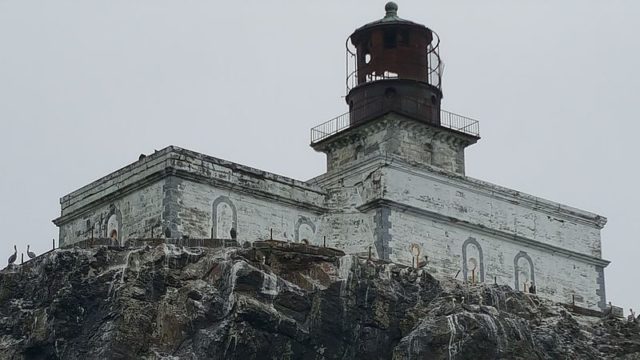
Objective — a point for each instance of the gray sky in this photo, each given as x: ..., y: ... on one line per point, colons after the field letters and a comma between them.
x: 86, y: 86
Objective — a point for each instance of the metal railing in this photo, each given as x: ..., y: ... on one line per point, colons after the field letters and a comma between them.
x: 459, y: 123
x: 330, y: 127
x: 342, y: 122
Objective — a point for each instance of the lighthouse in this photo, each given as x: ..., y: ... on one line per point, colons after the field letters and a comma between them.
x: 394, y: 189
x: 394, y: 94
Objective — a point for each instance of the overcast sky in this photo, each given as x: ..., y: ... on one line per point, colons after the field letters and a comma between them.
x: 87, y: 86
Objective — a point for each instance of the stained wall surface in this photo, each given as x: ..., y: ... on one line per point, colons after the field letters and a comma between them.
x: 207, y: 211
x: 176, y: 192
x: 492, y: 207
x: 398, y: 136
x: 134, y: 215
x: 461, y: 227
x: 406, y: 212
x: 555, y: 276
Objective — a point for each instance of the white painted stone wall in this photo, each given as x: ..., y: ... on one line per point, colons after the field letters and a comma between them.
x: 496, y: 208
x: 556, y: 277
x: 136, y: 214
x: 255, y: 216
x: 373, y: 200
x: 345, y: 226
x: 133, y: 176
x: 392, y: 134
x: 173, y: 193
x: 411, y: 207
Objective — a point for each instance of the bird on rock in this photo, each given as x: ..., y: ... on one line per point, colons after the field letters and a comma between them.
x: 13, y: 256
x: 30, y: 254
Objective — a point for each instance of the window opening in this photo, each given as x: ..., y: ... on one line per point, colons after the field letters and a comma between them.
x: 390, y: 39
x: 390, y: 75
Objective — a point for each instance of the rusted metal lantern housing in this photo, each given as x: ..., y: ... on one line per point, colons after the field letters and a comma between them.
x: 393, y: 65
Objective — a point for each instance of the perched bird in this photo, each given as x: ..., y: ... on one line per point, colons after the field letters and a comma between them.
x: 233, y: 233
x: 14, y: 256
x: 30, y: 254
x: 423, y: 263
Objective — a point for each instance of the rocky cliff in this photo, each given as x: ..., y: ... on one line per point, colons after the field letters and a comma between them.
x: 278, y: 301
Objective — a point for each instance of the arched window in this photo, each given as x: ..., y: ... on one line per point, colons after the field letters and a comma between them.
x: 113, y: 225
x: 225, y: 218
x: 304, y: 229
x: 524, y: 272
x: 472, y: 261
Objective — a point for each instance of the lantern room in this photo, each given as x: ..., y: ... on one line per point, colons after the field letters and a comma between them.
x: 393, y: 65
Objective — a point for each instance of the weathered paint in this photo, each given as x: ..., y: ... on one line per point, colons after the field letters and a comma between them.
x: 135, y: 215
x: 395, y: 192
x: 394, y: 135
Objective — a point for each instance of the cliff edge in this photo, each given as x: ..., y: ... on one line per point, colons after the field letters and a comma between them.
x: 278, y: 301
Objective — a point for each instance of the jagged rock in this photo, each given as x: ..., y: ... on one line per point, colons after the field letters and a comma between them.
x: 278, y: 302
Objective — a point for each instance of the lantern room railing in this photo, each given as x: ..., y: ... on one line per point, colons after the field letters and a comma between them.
x: 448, y: 120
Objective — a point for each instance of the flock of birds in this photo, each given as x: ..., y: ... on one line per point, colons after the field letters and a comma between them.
x: 14, y: 256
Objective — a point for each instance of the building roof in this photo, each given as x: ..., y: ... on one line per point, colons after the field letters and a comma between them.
x: 390, y: 18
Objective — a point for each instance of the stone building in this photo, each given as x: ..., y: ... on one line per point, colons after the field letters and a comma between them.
x: 395, y: 186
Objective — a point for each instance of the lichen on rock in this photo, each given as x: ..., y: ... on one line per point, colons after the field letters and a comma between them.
x: 274, y: 301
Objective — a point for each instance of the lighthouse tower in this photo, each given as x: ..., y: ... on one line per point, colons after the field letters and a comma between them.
x: 394, y: 92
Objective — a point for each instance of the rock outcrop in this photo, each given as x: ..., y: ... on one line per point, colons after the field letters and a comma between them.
x: 274, y: 301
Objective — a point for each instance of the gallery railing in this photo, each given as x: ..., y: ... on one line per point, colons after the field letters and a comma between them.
x: 448, y: 120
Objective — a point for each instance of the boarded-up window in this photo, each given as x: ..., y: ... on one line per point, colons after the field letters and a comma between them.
x: 224, y: 215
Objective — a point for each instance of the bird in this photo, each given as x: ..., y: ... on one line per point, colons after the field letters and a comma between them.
x: 14, y: 256
x: 30, y: 254
x: 422, y: 264
x: 233, y: 233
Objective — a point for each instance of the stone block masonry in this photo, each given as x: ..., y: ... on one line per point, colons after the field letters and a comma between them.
x: 411, y: 213
x: 176, y: 192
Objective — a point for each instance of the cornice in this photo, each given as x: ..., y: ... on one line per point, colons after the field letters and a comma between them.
x: 191, y: 176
